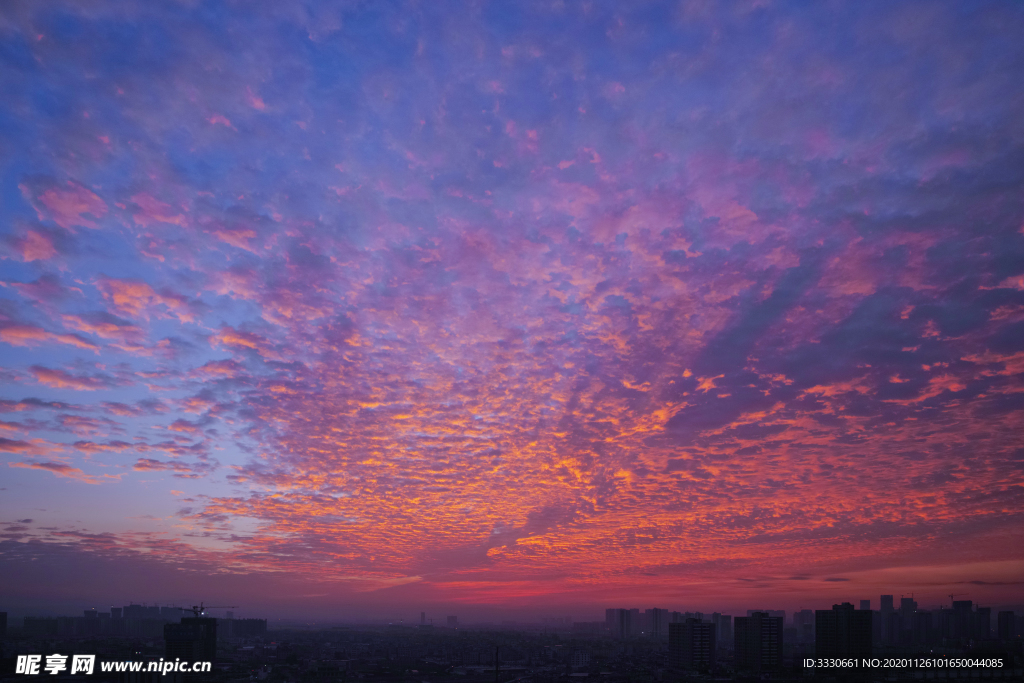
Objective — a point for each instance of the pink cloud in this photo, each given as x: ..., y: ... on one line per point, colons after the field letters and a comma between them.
x: 29, y: 335
x: 218, y: 368
x: 151, y: 211
x: 220, y: 119
x: 136, y: 298
x: 64, y: 470
x: 36, y: 246
x: 237, y: 237
x: 68, y: 206
x: 58, y: 379
x: 181, y: 470
x: 254, y: 100
x: 104, y: 326
x: 15, y: 446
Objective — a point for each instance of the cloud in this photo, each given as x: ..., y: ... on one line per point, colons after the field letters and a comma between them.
x: 70, y: 205
x: 14, y: 446
x: 59, y: 379
x: 34, y: 403
x: 181, y: 470
x: 137, y: 299
x: 494, y: 320
x: 30, y: 335
x: 66, y: 471
x: 35, y: 246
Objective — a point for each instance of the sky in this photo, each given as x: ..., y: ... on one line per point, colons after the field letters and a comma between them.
x: 343, y: 309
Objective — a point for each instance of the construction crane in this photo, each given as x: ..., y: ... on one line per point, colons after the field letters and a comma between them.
x: 954, y: 595
x: 199, y: 609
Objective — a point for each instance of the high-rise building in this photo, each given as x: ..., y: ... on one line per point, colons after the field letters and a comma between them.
x: 723, y: 628
x: 921, y: 628
x: 842, y: 632
x: 692, y: 645
x: 423, y: 618
x: 657, y: 623
x: 983, y: 623
x: 195, y: 639
x: 758, y: 640
x: 781, y: 613
x: 892, y: 628
x: 944, y: 622
x: 636, y: 625
x: 1006, y: 626
x: 620, y: 622
x: 803, y: 621
x: 3, y: 624
x: 132, y: 611
x: 962, y: 618
x: 889, y: 626
x: 901, y: 624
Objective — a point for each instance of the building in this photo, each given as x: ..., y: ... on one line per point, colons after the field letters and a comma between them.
x: 194, y: 639
x: 592, y: 627
x: 842, y: 632
x: 636, y: 625
x: 921, y: 628
x: 40, y: 626
x: 580, y: 659
x: 962, y: 619
x: 770, y: 612
x: 3, y: 624
x: 865, y: 604
x: 657, y: 623
x: 619, y: 622
x: 1006, y: 626
x: 803, y: 621
x: 723, y: 628
x: 887, y: 633
x: 243, y: 628
x: 691, y: 645
x: 453, y: 622
x: 982, y: 623
x: 758, y: 641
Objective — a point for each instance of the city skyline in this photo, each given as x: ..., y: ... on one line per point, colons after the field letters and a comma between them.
x: 477, y: 615
x: 324, y: 309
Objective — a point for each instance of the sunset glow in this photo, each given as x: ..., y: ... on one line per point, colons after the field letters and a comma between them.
x: 527, y: 306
